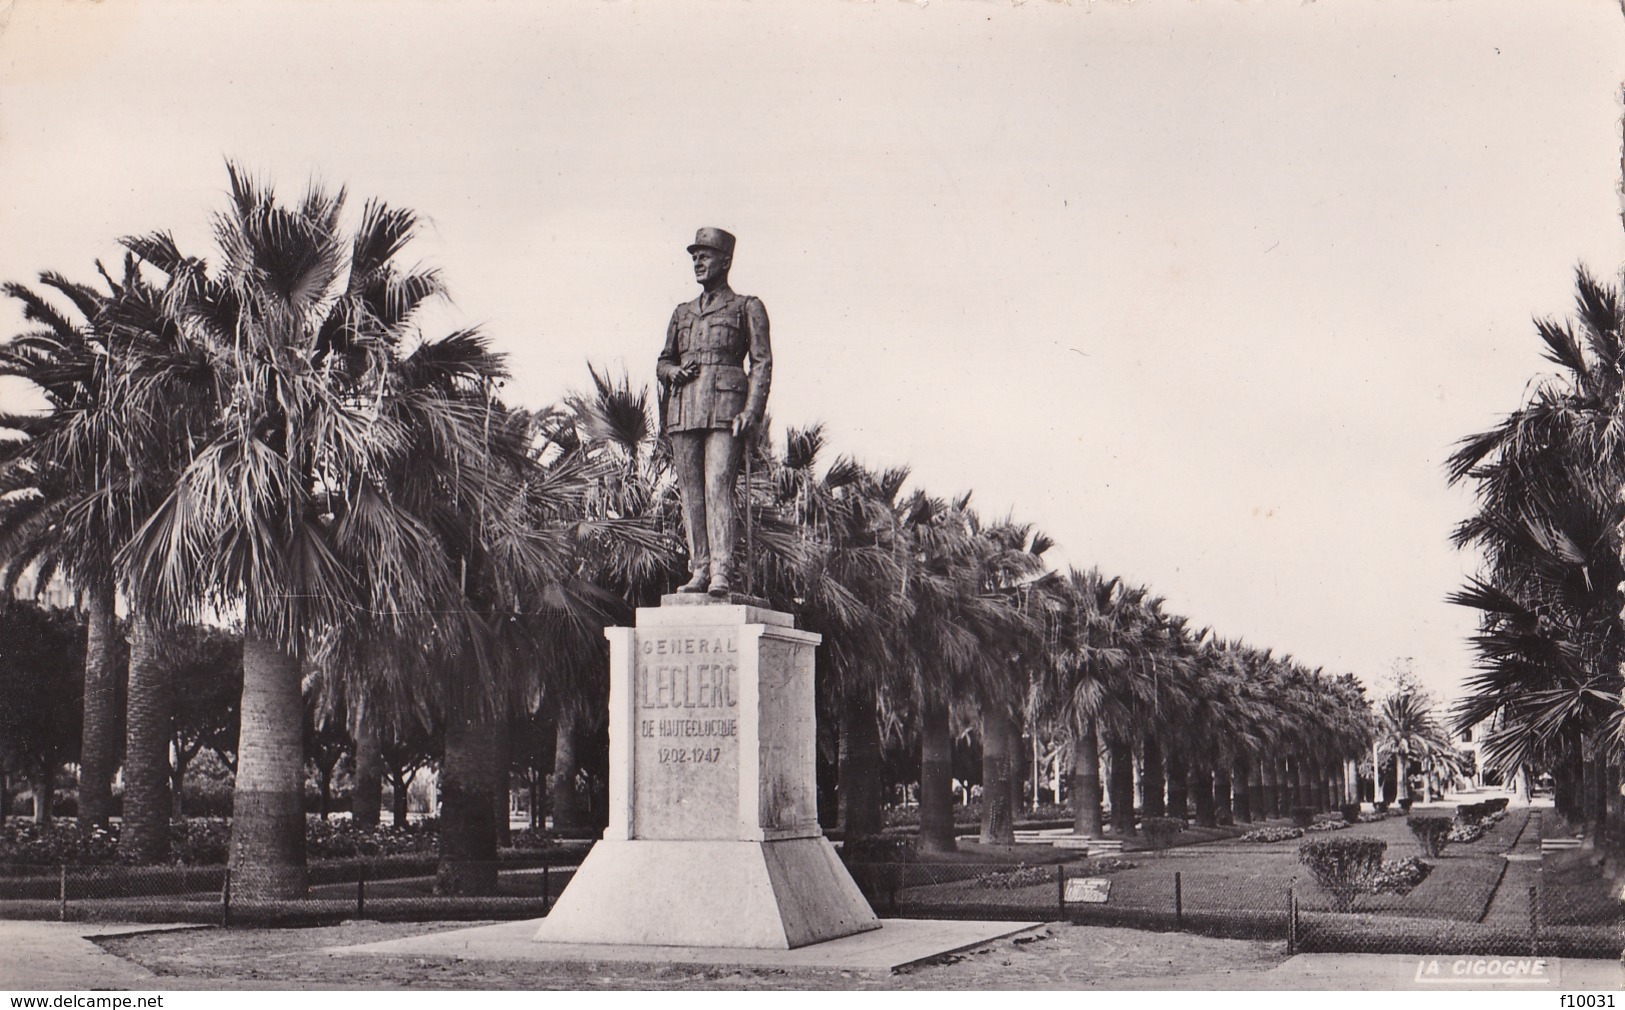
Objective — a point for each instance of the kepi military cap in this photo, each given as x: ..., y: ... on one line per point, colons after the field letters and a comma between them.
x: 713, y: 238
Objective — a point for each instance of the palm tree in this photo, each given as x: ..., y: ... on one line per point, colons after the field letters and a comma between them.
x: 632, y: 550
x: 1407, y: 729
x: 1548, y: 523
x: 282, y: 510
x: 1082, y: 684
x: 126, y: 397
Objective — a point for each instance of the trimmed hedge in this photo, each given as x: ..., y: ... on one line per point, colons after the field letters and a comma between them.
x: 1160, y: 831
x: 1431, y: 833
x: 1346, y: 867
x: 1350, y: 812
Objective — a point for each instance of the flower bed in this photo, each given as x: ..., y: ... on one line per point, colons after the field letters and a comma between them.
x: 1400, y: 876
x: 205, y: 841
x: 1473, y: 826
x: 1327, y: 826
x: 1272, y: 835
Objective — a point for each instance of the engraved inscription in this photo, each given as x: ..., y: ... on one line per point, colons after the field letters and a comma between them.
x: 686, y: 756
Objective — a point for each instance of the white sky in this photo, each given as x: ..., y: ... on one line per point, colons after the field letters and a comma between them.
x: 1206, y: 290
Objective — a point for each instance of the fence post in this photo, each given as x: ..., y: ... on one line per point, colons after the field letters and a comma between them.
x: 361, y: 892
x: 1060, y: 889
x: 62, y: 893
x: 1291, y: 920
x: 1179, y: 900
x: 547, y: 891
x: 225, y: 898
x: 1534, y: 920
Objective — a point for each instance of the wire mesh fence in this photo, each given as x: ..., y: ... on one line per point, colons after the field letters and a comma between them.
x: 1490, y: 891
x: 381, y: 889
x: 1469, y: 910
x: 1505, y: 890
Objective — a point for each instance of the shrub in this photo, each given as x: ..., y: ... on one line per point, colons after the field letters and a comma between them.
x: 1350, y: 812
x: 534, y: 839
x: 1405, y: 804
x: 1160, y: 831
x: 1473, y: 813
x: 1302, y: 817
x: 200, y: 841
x: 343, y: 839
x: 1381, y: 806
x: 1497, y: 805
x: 22, y: 841
x: 1431, y: 833
x: 877, y: 849
x: 1343, y: 866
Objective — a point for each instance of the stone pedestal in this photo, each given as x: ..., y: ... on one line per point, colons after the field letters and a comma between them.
x: 713, y: 836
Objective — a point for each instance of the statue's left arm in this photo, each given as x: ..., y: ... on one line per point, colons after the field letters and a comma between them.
x: 761, y: 361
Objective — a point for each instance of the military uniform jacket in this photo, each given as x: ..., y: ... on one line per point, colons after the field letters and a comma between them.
x: 718, y: 338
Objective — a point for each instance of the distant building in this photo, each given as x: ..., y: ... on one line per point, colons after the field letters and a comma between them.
x: 57, y: 594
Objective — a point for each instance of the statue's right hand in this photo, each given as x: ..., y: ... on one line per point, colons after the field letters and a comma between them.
x: 688, y: 373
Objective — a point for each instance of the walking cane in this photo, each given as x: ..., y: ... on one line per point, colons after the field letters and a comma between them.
x: 750, y: 537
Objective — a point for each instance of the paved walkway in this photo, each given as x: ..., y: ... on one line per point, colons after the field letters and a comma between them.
x: 1406, y: 971
x: 60, y: 955
x: 52, y: 957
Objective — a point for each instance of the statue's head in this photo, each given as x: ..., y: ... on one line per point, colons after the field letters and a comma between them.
x: 713, y: 253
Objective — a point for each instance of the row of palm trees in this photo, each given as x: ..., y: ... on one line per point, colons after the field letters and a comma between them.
x: 1548, y: 481
x: 269, y: 437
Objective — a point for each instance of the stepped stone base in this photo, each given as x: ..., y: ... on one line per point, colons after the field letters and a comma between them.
x: 773, y: 895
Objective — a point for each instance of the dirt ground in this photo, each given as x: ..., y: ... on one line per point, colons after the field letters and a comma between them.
x: 1057, y: 956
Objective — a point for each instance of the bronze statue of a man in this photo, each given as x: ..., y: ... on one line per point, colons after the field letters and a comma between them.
x: 711, y: 403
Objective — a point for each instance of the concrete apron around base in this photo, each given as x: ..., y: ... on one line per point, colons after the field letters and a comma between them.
x: 896, y: 944
x: 769, y: 895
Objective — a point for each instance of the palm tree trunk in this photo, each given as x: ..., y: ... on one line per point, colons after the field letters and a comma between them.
x: 43, y: 785
x: 399, y: 803
x: 367, y: 799
x: 502, y: 758
x: 861, y: 811
x: 1018, y: 777
x: 1153, y: 776
x: 1255, y: 791
x: 1223, y: 812
x: 1270, y: 775
x: 1086, y: 782
x: 98, y: 751
x: 144, y: 837
x: 936, y: 778
x: 1306, y: 784
x: 1241, y: 770
x: 1178, y: 783
x: 468, y: 839
x: 1121, y: 755
x: 268, y: 822
x: 1289, y: 784
x: 566, y: 805
x: 998, y: 817
x: 177, y: 784
x: 1201, y: 788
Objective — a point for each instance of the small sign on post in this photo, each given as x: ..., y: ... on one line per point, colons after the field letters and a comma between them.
x: 1088, y: 890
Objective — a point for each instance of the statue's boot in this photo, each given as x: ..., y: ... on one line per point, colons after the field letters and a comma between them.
x: 698, y: 584
x: 720, y: 586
